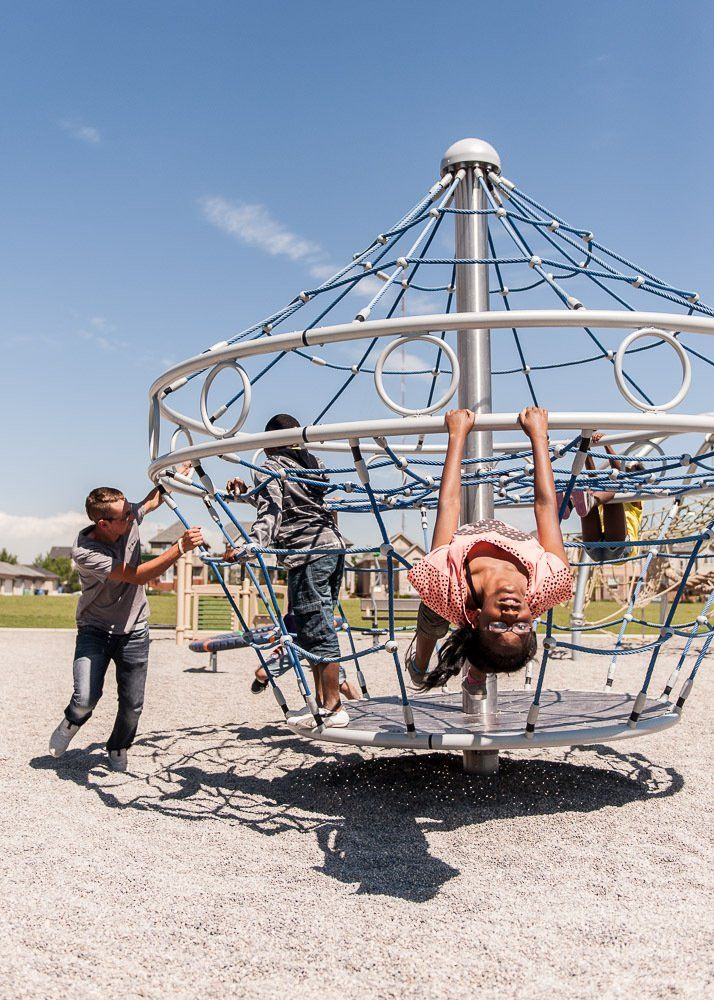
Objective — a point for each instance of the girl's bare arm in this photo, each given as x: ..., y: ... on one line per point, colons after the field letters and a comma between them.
x: 458, y: 423
x: 534, y: 421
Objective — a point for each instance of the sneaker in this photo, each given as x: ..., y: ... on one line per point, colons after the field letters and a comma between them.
x: 117, y: 760
x: 333, y: 720
x: 416, y: 675
x: 475, y: 688
x: 582, y: 500
x: 569, y: 508
x: 62, y: 737
x: 298, y: 716
x: 579, y: 500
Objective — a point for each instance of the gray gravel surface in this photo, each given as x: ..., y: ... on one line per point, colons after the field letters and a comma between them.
x: 236, y: 859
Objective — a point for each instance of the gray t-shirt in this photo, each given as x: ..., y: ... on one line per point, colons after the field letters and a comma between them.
x: 112, y: 605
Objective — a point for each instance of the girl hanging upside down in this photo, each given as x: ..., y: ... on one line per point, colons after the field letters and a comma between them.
x: 488, y: 579
x: 602, y: 520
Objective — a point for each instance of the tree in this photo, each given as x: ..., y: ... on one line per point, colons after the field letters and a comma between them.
x: 63, y: 568
x: 7, y: 557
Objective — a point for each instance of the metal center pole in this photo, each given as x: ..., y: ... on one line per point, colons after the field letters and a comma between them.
x: 474, y: 354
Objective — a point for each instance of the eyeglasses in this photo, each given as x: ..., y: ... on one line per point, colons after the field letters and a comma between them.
x: 520, y: 628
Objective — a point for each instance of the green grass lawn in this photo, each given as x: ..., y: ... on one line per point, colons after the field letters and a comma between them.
x: 58, y: 612
x: 594, y: 612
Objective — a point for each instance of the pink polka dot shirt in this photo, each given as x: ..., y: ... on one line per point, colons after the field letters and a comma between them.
x: 440, y: 578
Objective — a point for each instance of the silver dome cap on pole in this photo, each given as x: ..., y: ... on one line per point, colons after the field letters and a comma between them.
x: 467, y: 153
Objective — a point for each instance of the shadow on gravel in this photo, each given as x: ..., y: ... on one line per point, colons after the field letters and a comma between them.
x: 371, y: 813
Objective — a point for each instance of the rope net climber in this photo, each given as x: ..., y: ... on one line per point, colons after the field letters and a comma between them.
x: 482, y: 293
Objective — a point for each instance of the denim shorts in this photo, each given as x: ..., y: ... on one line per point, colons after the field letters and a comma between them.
x: 430, y: 623
x: 313, y: 590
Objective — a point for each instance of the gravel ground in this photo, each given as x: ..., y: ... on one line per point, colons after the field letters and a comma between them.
x: 238, y: 860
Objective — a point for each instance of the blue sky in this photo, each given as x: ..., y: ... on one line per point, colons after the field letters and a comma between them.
x: 132, y: 131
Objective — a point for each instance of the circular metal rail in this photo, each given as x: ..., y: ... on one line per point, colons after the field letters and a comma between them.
x: 567, y: 718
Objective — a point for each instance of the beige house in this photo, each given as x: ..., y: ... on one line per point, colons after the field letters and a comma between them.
x: 18, y: 580
x: 163, y: 541
x: 360, y: 583
x: 60, y: 552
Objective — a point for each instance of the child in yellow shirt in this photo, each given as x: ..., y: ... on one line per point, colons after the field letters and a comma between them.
x: 603, y: 521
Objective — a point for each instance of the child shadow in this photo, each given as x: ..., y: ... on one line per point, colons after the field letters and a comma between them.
x: 371, y: 814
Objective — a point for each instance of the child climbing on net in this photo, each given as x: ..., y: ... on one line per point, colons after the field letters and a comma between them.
x: 292, y: 514
x: 602, y: 520
x: 488, y: 579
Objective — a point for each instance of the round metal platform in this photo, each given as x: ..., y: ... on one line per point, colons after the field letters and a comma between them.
x: 566, y: 718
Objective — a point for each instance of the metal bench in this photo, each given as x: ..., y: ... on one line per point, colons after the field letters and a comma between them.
x: 376, y: 611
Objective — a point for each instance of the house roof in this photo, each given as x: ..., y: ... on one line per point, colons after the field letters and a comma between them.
x: 404, y: 545
x: 234, y: 533
x: 168, y: 536
x: 246, y: 525
x: 25, y: 572
x: 400, y: 536
x: 60, y: 552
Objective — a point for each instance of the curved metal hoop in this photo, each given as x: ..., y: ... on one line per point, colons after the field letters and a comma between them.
x: 177, y: 433
x: 637, y: 446
x: 668, y: 338
x: 399, y: 342
x: 154, y: 427
x: 219, y: 432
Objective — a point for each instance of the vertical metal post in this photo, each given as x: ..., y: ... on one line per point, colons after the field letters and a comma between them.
x: 474, y: 354
x: 577, y: 616
x: 180, y: 578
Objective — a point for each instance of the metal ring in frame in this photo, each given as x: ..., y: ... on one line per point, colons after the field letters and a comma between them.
x: 405, y: 410
x: 668, y: 338
x: 631, y: 453
x: 175, y: 436
x: 154, y: 428
x: 174, y: 440
x: 219, y: 432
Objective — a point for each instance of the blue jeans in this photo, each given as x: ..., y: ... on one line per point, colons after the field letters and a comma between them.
x: 94, y: 650
x: 313, y: 591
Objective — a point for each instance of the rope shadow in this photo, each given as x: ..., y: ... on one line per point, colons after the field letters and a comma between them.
x: 370, y: 813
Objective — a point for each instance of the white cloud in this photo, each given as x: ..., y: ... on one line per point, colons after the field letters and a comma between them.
x: 254, y: 226
x: 323, y: 271
x: 28, y: 536
x: 78, y: 130
x: 98, y: 330
x: 408, y: 362
x: 405, y: 361
x: 423, y: 304
x: 368, y: 287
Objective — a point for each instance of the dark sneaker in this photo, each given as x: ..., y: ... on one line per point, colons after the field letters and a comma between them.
x: 117, y: 760
x: 416, y: 676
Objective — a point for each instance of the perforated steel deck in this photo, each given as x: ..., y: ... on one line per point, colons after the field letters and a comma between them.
x: 566, y: 718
